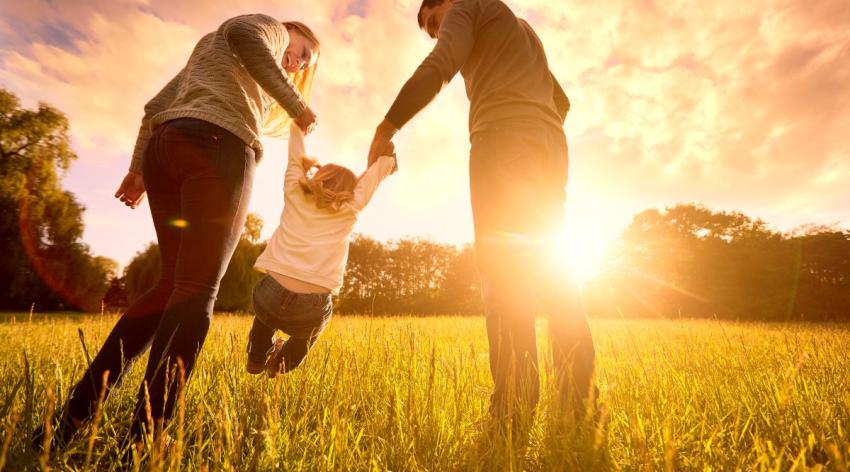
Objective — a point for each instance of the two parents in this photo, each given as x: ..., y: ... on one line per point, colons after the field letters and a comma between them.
x: 196, y: 153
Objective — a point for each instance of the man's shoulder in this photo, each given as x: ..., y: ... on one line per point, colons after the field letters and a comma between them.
x: 484, y: 10
x: 487, y: 8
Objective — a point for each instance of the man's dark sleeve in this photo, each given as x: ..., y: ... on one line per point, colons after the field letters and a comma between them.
x: 454, y: 43
x: 562, y: 102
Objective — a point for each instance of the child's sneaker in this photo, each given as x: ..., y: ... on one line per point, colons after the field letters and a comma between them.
x: 275, y: 359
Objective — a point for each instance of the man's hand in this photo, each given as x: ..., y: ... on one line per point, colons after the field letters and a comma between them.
x: 382, y: 144
x: 306, y: 120
x: 131, y: 192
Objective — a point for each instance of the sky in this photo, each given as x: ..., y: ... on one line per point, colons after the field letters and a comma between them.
x: 735, y: 105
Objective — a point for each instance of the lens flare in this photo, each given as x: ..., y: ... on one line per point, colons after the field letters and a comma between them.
x: 179, y: 223
x: 54, y: 275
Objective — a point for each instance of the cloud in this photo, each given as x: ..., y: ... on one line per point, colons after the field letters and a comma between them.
x: 737, y: 105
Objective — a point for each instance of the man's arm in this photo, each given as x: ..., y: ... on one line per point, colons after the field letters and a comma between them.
x: 454, y: 43
x: 562, y: 102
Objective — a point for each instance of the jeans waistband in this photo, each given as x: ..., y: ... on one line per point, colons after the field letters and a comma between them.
x: 315, y: 299
x: 195, y: 124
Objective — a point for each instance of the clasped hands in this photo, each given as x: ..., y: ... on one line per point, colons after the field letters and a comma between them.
x: 382, y: 144
x: 131, y: 192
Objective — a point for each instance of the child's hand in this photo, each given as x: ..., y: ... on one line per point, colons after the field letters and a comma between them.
x: 389, y: 149
x: 383, y: 137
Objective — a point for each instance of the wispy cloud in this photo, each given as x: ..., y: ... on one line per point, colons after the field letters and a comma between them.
x: 737, y: 105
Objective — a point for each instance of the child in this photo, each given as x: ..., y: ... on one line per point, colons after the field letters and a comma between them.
x: 305, y: 257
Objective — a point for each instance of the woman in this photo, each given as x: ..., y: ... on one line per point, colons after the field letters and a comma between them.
x: 195, y: 156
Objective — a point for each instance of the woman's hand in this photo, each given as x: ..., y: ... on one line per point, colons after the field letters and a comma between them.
x: 306, y: 120
x: 131, y: 192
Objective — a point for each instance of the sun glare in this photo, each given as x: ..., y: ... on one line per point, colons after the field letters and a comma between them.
x: 581, y: 250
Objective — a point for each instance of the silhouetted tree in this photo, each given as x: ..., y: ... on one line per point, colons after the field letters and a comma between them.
x: 116, y: 295
x: 142, y: 273
x: 237, y: 285
x: 684, y: 261
x: 409, y: 276
x: 691, y: 261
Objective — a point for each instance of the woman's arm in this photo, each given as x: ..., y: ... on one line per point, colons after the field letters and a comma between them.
x: 252, y: 39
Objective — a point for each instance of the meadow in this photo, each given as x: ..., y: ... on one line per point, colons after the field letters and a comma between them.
x: 408, y: 393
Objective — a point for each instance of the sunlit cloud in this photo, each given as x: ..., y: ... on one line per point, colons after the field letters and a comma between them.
x: 736, y: 105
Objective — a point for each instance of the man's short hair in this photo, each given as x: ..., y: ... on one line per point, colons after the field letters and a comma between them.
x: 427, y: 4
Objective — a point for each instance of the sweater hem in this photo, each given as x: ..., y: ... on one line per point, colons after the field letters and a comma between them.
x: 247, y: 136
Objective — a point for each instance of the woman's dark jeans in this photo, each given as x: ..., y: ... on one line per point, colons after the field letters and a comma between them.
x: 303, y: 316
x: 198, y: 178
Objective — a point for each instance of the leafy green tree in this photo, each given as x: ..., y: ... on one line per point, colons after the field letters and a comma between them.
x: 40, y: 222
x: 253, y: 228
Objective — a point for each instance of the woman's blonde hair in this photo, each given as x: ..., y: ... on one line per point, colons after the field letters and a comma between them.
x: 332, y: 184
x: 278, y: 120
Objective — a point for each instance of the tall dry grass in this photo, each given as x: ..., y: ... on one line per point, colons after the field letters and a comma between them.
x: 412, y: 394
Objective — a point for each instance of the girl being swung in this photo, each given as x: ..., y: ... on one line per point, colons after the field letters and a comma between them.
x: 305, y: 258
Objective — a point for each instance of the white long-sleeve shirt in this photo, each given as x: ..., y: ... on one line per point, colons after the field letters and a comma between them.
x: 311, y: 243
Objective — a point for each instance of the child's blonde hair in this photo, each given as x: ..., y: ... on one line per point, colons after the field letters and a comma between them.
x: 332, y: 184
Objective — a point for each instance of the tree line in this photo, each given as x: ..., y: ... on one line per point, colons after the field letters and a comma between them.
x: 683, y: 261
x: 691, y: 261
x: 408, y: 276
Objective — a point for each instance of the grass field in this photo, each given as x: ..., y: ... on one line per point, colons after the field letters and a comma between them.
x: 411, y: 394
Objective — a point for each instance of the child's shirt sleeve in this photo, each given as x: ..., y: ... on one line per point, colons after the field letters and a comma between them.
x: 294, y: 168
x: 370, y: 180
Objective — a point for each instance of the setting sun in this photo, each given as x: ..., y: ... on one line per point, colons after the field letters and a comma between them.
x: 581, y: 249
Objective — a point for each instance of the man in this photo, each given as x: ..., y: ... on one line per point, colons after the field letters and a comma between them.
x: 518, y: 171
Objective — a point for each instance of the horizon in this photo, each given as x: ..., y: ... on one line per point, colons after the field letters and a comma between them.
x: 738, y: 108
